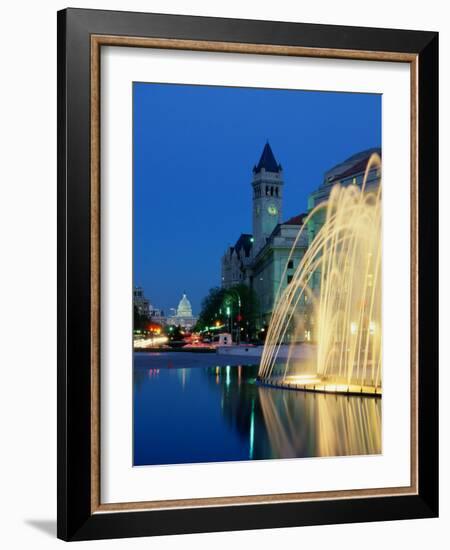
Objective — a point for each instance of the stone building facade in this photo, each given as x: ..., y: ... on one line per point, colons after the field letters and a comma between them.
x: 349, y: 172
x: 272, y: 269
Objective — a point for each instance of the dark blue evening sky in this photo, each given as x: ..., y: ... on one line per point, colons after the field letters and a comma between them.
x: 194, y: 150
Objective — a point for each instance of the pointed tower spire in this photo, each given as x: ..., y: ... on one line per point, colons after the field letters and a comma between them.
x: 267, y: 161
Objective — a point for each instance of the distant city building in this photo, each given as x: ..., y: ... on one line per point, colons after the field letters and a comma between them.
x: 140, y: 301
x: 259, y: 260
x: 183, y: 316
x: 145, y: 308
x: 157, y: 315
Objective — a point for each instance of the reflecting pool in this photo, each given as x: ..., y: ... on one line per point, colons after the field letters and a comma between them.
x: 192, y: 407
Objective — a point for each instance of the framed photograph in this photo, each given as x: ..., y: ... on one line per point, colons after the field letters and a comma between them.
x: 247, y: 274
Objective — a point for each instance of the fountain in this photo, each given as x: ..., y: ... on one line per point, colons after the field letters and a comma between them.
x: 337, y: 288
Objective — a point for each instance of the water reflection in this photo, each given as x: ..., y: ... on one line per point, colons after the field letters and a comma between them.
x: 336, y: 425
x: 219, y: 413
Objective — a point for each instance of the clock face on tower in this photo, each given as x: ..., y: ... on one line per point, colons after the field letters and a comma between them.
x: 272, y: 209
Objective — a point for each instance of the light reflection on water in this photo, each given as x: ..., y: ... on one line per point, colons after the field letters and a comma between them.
x: 188, y: 414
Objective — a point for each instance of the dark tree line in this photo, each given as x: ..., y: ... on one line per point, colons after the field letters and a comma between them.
x: 236, y: 307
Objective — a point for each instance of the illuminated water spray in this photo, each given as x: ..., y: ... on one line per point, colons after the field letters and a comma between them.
x: 335, y: 293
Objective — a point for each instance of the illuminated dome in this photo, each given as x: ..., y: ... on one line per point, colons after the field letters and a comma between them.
x: 184, y: 307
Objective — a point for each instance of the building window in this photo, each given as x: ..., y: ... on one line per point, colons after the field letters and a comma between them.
x: 289, y: 279
x: 267, y: 190
x: 276, y: 191
x: 290, y: 264
x: 271, y: 191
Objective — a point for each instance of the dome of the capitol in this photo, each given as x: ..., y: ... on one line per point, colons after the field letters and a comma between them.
x: 184, y: 307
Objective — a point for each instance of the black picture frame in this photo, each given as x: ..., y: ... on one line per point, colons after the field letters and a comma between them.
x: 75, y: 518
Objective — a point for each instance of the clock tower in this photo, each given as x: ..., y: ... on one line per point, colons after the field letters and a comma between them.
x: 267, y: 197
